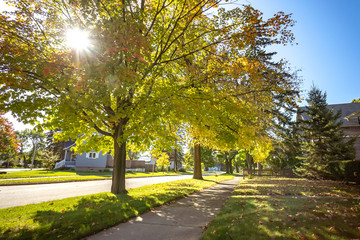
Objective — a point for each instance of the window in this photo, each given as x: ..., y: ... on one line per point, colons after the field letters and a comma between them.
x: 92, y: 155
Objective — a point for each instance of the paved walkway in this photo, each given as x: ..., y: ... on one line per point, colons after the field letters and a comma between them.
x: 184, y: 219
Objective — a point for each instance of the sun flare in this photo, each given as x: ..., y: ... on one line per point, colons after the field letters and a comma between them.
x: 77, y: 39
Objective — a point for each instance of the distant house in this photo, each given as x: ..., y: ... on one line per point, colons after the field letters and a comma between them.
x: 150, y: 162
x: 350, y: 115
x: 86, y: 161
x: 96, y: 161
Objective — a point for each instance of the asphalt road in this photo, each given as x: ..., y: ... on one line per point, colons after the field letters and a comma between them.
x: 11, y: 196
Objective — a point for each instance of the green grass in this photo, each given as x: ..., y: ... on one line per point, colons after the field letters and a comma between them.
x: 57, y: 176
x: 318, y: 210
x: 50, y: 173
x: 77, y: 217
x: 296, y: 186
x: 51, y: 180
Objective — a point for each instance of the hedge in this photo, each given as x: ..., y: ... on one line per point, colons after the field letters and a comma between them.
x: 348, y: 171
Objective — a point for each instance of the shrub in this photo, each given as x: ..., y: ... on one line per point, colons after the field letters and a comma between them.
x: 348, y: 171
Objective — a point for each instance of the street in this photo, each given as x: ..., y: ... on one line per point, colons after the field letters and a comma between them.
x: 11, y: 196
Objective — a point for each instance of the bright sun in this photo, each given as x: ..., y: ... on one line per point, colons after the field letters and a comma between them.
x: 77, y: 39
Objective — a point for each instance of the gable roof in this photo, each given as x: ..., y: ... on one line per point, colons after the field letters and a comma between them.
x: 69, y: 144
x: 349, y: 113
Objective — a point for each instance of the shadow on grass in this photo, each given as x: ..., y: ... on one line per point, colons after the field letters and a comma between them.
x: 248, y: 217
x: 87, y: 215
x: 289, y: 186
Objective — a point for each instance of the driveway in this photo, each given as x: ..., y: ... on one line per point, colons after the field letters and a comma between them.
x: 11, y: 196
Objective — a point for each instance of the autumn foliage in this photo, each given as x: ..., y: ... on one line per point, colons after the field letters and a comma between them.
x: 153, y: 67
x: 8, y: 142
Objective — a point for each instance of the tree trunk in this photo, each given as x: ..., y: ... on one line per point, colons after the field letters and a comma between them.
x: 259, y: 168
x: 227, y: 164
x: 25, y: 162
x: 118, y: 177
x: 248, y: 160
x: 175, y: 160
x: 231, y: 166
x: 197, y: 162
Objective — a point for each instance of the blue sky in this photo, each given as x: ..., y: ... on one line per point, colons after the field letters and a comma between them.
x: 328, y: 50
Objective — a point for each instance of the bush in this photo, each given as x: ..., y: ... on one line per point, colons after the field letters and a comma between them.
x: 348, y: 171
x: 182, y: 170
x: 4, y: 164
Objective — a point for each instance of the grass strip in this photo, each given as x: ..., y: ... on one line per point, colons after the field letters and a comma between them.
x: 319, y: 215
x: 53, y: 173
x: 77, y: 217
x: 296, y: 186
x: 77, y: 176
x: 51, y: 180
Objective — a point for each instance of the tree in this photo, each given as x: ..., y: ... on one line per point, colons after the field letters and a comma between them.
x: 9, y: 143
x: 208, y: 156
x: 33, y: 143
x: 119, y: 91
x: 355, y: 101
x: 286, y: 142
x: 163, y: 161
x: 323, y: 138
x: 178, y: 157
x: 188, y: 161
x: 132, y: 155
x: 240, y: 160
x: 57, y: 147
x: 48, y: 159
x: 245, y: 83
x: 228, y: 157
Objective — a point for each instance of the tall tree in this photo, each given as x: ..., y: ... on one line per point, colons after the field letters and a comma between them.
x: 33, y: 143
x: 323, y: 138
x: 226, y: 90
x: 119, y: 90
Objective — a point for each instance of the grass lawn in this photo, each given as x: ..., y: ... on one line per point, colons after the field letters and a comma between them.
x: 77, y: 217
x: 283, y: 208
x: 57, y: 176
x: 50, y: 173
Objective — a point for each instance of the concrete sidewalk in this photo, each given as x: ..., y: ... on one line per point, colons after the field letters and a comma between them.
x: 184, y: 219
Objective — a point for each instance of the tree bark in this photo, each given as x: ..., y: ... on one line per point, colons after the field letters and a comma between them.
x: 25, y: 162
x: 197, y: 162
x: 227, y: 165
x: 175, y: 160
x: 248, y: 160
x: 118, y: 177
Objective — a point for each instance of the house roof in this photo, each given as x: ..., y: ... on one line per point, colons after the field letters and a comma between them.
x: 69, y: 144
x: 349, y: 113
x: 354, y: 117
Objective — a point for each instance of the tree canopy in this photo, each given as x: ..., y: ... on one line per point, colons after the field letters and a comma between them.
x: 148, y: 65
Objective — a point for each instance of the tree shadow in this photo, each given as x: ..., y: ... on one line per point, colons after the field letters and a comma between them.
x: 86, y: 216
x: 250, y: 217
